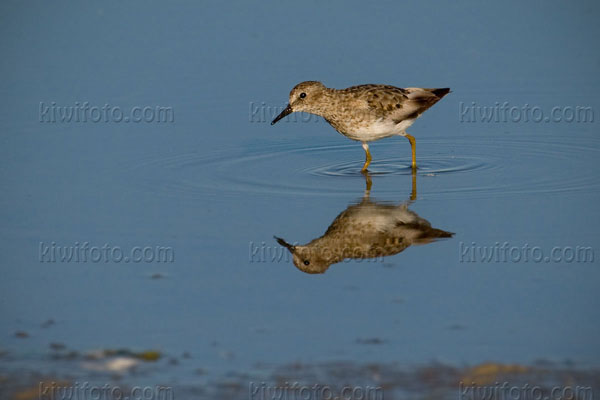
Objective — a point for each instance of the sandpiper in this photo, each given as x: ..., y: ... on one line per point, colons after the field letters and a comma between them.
x: 365, y: 230
x: 366, y: 112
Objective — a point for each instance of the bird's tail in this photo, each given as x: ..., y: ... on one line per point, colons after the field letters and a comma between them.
x: 432, y: 234
x: 438, y: 233
x: 440, y: 92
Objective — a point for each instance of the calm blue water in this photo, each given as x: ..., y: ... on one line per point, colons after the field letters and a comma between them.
x: 219, y: 182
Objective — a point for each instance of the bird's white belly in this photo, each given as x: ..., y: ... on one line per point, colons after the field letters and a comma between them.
x: 383, y: 219
x: 379, y: 129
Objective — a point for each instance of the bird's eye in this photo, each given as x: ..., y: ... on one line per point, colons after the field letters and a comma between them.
x: 302, y: 95
x: 306, y: 262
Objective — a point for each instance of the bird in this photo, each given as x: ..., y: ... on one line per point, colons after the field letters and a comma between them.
x: 365, y: 230
x: 364, y: 113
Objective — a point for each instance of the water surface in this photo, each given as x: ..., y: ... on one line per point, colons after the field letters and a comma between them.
x: 217, y: 183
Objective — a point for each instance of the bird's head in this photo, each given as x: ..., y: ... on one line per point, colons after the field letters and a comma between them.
x: 306, y: 259
x: 306, y: 96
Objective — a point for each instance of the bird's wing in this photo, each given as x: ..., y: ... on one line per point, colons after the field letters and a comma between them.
x: 380, y: 100
x: 397, y: 103
x: 418, y: 100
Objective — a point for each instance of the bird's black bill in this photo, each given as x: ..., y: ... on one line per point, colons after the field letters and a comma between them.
x: 285, y: 244
x: 286, y: 111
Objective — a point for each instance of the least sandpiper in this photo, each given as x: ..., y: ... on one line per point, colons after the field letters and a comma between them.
x: 366, y: 112
x: 362, y: 231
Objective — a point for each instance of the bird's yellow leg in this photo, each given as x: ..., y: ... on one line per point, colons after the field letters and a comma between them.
x: 411, y: 139
x: 368, y: 183
x: 413, y: 193
x: 368, y: 159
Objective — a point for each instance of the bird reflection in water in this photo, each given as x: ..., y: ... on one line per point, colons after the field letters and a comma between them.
x: 365, y: 230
